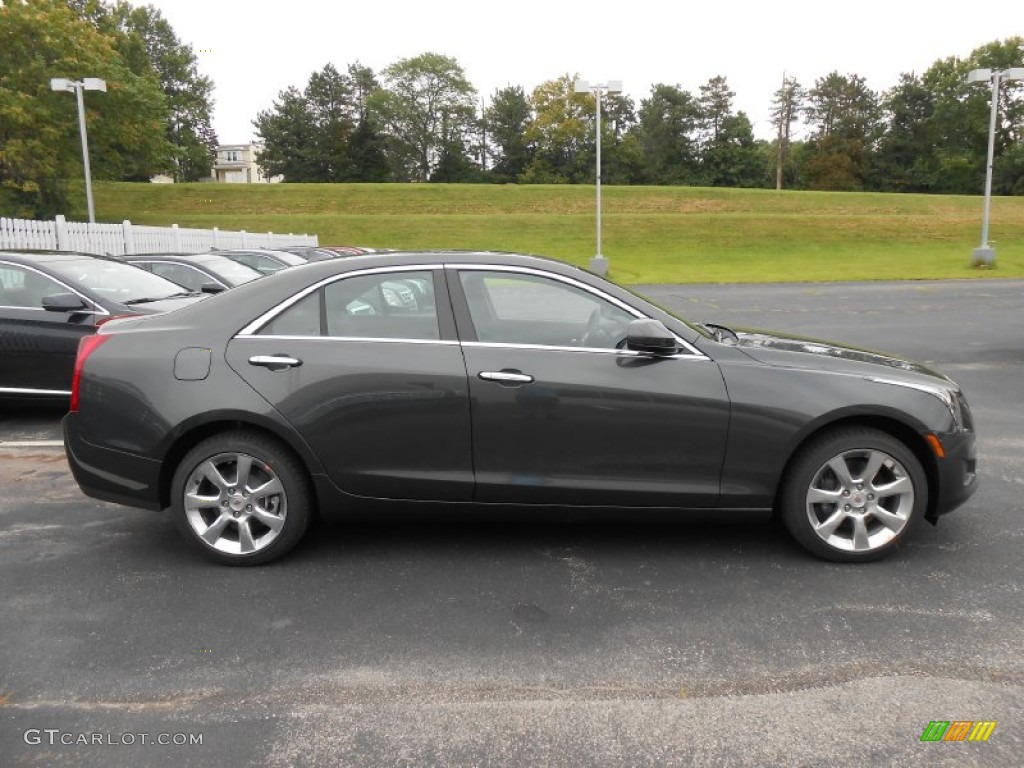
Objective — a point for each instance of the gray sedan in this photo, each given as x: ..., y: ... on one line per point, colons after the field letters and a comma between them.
x: 506, y: 380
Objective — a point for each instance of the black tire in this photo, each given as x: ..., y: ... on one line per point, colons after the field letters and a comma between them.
x: 247, y: 523
x: 861, y: 515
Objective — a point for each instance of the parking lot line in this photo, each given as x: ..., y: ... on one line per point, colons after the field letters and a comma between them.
x: 32, y: 444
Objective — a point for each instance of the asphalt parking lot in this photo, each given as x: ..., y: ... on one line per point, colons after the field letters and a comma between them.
x: 462, y: 642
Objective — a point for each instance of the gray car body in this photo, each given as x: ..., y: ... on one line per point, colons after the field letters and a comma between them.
x: 711, y: 429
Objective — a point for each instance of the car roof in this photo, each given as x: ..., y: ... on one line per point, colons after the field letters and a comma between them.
x: 191, y: 258
x: 32, y: 257
x: 47, y: 259
x: 450, y: 256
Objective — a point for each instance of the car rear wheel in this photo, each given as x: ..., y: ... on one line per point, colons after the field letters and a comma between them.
x: 241, y: 498
x: 853, y: 495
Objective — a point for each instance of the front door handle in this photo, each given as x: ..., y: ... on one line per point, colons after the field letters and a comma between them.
x: 506, y: 378
x: 275, y: 362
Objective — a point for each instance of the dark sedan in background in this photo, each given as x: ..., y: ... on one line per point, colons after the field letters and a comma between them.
x: 51, y: 300
x: 266, y: 262
x: 209, y: 272
x: 310, y: 252
x: 502, y: 380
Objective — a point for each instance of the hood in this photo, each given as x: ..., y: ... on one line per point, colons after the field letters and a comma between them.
x: 804, y: 352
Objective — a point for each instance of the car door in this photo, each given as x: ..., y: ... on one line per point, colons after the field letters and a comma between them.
x: 374, y: 383
x: 562, y: 415
x: 37, y: 347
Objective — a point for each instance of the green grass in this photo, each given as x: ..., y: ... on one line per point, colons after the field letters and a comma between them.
x: 651, y: 234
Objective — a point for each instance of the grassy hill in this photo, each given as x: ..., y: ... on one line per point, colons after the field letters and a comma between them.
x: 651, y: 234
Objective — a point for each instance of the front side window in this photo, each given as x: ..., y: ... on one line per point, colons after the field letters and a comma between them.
x: 513, y: 308
x: 391, y: 305
x: 20, y: 287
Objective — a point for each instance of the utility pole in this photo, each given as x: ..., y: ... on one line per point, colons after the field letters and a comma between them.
x: 599, y: 264
x: 781, y: 155
x: 483, y: 137
x: 76, y: 87
x: 985, y: 255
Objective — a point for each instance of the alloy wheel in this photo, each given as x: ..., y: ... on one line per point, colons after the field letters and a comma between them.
x: 860, y: 500
x: 235, y: 503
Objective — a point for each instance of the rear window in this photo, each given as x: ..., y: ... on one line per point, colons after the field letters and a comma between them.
x: 234, y: 272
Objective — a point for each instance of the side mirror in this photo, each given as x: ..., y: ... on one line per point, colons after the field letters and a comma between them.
x: 650, y: 336
x: 64, y: 302
x: 211, y: 288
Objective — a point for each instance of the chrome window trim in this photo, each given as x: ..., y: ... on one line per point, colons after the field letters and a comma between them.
x: 597, y: 350
x: 691, y: 351
x: 97, y: 309
x: 252, y: 329
x: 442, y: 342
x: 28, y: 391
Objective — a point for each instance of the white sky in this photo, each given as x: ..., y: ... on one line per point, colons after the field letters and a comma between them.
x: 253, y: 50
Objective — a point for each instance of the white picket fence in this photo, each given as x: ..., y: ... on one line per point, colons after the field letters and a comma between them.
x: 127, y: 238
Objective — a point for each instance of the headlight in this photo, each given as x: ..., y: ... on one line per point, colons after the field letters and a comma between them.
x: 966, y: 422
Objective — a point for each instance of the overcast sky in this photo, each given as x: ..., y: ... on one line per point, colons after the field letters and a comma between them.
x: 254, y: 50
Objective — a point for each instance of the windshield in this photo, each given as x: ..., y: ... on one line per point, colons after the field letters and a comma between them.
x: 689, y: 323
x: 116, y: 281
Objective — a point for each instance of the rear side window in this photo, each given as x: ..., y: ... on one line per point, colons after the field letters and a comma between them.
x: 301, y: 319
x: 391, y: 305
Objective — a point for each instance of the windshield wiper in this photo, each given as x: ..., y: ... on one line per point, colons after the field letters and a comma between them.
x: 722, y: 332
x: 183, y: 294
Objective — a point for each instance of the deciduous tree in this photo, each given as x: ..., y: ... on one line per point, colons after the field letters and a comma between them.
x: 425, y: 102
x: 39, y: 141
x: 559, y: 134
x: 148, y: 44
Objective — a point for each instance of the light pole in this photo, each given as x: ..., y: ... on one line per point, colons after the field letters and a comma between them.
x: 985, y: 255
x: 598, y: 264
x: 77, y: 86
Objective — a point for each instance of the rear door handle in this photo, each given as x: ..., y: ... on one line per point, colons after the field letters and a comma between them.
x: 275, y: 362
x: 506, y: 377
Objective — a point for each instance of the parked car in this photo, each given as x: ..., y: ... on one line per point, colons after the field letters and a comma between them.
x: 525, y: 382
x: 266, y: 262
x: 51, y: 300
x: 354, y: 250
x: 202, y: 272
x: 310, y: 252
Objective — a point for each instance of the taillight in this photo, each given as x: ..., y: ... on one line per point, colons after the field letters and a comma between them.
x: 86, y: 346
x: 104, y: 320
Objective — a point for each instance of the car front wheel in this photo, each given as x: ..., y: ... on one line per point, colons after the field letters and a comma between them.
x: 241, y: 498
x: 852, y: 495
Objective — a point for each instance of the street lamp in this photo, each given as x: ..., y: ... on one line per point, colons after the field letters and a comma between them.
x: 598, y: 264
x: 985, y: 255
x: 85, y: 84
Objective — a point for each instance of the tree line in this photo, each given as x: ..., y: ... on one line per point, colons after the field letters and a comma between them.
x: 154, y: 118
x: 420, y: 119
